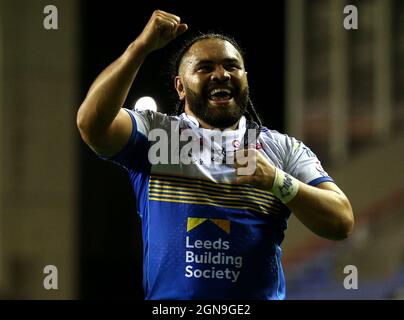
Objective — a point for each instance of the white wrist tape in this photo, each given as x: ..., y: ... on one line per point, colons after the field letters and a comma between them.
x: 285, y: 187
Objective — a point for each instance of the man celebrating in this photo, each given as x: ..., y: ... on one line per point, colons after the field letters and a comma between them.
x: 214, y: 209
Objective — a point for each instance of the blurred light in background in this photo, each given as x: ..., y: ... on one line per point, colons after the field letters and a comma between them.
x: 344, y: 99
x: 146, y: 103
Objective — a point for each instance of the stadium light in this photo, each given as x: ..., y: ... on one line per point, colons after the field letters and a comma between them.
x: 146, y: 103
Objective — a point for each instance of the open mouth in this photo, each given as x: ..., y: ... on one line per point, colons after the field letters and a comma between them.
x: 220, y: 95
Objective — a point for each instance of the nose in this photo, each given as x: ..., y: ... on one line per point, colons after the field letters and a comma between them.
x: 220, y: 74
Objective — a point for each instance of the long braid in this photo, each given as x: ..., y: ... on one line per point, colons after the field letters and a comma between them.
x: 253, y: 113
x: 180, y: 107
x: 253, y: 122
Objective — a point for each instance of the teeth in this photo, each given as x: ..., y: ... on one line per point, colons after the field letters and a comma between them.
x: 214, y: 91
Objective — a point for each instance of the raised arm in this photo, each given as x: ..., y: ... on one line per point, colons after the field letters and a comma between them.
x: 104, y: 126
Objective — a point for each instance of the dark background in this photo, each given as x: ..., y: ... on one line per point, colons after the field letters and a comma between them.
x: 110, y: 244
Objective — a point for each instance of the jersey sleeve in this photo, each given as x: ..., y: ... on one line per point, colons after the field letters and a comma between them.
x: 134, y: 154
x: 303, y: 164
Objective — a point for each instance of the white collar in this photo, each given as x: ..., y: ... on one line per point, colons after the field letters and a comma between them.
x: 241, y: 123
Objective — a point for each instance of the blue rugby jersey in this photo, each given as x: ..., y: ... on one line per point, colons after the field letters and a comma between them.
x: 205, y: 237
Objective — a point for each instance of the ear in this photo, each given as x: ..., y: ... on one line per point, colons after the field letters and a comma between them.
x: 179, y: 86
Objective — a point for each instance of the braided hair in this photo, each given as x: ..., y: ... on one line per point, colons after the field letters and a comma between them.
x: 253, y: 119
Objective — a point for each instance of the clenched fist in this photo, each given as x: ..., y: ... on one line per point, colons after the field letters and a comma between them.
x: 162, y: 28
x: 254, y: 169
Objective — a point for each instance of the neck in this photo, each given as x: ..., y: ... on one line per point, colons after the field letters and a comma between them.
x: 204, y: 125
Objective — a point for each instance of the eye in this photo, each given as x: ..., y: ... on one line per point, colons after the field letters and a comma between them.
x: 232, y: 67
x: 204, y: 68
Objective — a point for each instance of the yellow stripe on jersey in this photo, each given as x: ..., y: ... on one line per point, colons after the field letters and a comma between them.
x: 227, y: 195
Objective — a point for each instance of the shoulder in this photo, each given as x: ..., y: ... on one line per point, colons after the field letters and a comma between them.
x: 277, y: 139
x: 281, y: 146
x: 152, y: 119
x: 149, y: 114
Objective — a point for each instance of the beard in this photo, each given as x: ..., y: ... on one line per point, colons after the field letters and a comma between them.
x: 220, y: 117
